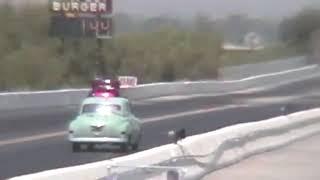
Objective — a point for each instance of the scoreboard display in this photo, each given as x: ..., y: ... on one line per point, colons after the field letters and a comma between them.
x: 61, y: 26
x: 81, y: 18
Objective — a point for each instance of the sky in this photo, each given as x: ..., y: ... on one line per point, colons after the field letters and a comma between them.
x: 214, y: 8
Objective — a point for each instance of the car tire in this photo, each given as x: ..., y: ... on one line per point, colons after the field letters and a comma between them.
x: 124, y: 147
x: 75, y: 147
x: 135, y: 146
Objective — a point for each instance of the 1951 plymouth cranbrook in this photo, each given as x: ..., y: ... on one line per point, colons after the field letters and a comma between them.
x: 104, y: 121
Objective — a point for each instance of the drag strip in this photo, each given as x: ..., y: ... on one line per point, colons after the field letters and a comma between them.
x: 197, y: 115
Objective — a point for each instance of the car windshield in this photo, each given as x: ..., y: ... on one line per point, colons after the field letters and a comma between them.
x: 101, y: 109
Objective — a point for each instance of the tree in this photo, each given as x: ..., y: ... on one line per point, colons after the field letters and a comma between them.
x: 203, y: 23
x: 298, y: 29
x: 157, y: 23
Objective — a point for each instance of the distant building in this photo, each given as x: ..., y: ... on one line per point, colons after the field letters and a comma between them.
x: 252, y: 40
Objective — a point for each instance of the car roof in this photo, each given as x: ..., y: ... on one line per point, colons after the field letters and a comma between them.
x: 107, y: 101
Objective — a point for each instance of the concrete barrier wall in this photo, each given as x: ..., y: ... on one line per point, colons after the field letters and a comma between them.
x: 202, y: 154
x: 233, y: 144
x: 242, y: 71
x: 25, y: 100
x: 218, y: 87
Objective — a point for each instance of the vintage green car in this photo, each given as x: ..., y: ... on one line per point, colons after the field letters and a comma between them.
x: 104, y: 121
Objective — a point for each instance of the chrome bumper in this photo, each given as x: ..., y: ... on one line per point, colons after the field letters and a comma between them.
x: 98, y: 140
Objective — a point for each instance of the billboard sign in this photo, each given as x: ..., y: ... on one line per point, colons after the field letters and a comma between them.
x: 128, y: 81
x: 81, y: 18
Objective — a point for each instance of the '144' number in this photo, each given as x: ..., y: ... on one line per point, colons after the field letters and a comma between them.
x: 94, y: 26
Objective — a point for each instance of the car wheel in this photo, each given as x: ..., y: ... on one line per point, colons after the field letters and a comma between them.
x: 75, y: 147
x: 135, y: 146
x: 124, y: 147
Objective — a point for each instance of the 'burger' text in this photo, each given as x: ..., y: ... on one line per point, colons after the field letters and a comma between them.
x: 76, y: 6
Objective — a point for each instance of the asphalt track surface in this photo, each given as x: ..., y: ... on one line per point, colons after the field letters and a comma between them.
x: 198, y: 115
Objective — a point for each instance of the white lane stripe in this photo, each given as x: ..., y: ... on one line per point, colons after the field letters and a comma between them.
x: 32, y: 138
x: 188, y: 113
x: 144, y: 121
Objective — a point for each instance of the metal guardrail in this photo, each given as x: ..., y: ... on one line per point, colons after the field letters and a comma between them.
x: 116, y: 172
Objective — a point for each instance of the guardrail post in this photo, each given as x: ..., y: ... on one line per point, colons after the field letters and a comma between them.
x: 110, y: 175
x: 173, y: 175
